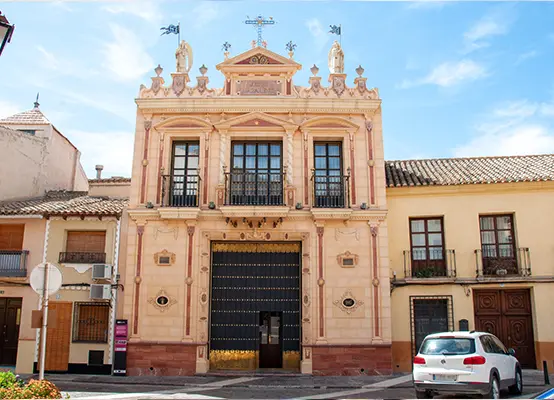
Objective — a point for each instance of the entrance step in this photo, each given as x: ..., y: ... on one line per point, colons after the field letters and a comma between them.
x: 258, y: 372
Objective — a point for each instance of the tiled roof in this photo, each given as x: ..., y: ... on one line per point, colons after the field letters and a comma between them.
x: 466, y: 171
x: 64, y: 203
x: 113, y: 179
x: 30, y: 117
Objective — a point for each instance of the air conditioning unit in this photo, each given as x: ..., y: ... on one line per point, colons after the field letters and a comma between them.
x: 100, y: 292
x: 101, y: 271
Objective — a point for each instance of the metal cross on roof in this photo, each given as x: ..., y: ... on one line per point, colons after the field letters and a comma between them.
x: 259, y: 22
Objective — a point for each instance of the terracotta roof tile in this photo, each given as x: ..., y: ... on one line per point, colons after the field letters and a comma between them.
x: 64, y: 203
x: 30, y: 117
x: 465, y: 171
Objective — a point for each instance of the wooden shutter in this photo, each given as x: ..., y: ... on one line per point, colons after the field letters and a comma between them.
x: 86, y: 242
x: 11, y: 237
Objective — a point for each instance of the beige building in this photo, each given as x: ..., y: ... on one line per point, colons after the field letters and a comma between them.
x: 257, y: 234
x: 472, y: 249
x: 78, y: 232
x: 43, y: 158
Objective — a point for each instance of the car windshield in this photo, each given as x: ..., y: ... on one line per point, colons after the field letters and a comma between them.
x: 448, y: 346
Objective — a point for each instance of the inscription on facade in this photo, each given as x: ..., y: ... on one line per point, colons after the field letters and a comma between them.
x: 259, y: 88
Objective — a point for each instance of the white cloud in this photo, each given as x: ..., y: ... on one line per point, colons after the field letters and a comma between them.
x: 7, y: 109
x: 126, y: 56
x: 513, y: 128
x: 319, y: 34
x: 63, y: 66
x: 526, y: 56
x: 205, y: 13
x: 147, y: 10
x: 450, y: 74
x: 520, y: 140
x: 117, y: 158
x: 425, y: 4
x: 494, y: 24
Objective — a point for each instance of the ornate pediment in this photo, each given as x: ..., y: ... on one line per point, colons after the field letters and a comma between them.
x: 256, y: 120
x: 183, y: 122
x: 329, y: 123
x: 258, y: 58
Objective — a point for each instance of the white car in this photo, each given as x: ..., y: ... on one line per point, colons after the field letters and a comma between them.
x: 465, y: 363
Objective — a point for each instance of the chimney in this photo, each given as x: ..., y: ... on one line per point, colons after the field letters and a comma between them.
x: 99, y: 169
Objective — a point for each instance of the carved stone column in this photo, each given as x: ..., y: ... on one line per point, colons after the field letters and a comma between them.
x: 374, y: 245
x: 371, y: 161
x: 189, y: 279
x: 320, y: 282
x: 138, y: 278
x: 305, y: 169
x: 159, y: 199
x: 352, y: 167
x: 289, y: 190
x: 223, y: 138
x: 147, y: 127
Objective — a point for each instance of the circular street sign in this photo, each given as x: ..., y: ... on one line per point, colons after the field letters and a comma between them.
x: 54, y: 278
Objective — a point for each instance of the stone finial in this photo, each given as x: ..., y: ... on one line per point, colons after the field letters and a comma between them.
x: 158, y: 70
x: 360, y: 71
x: 226, y: 47
x: 314, y: 70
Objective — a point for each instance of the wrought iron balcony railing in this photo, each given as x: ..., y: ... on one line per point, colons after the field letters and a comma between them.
x: 429, y: 263
x: 254, y: 188
x: 503, y: 262
x: 73, y: 257
x: 330, y: 191
x: 181, y: 190
x: 13, y: 263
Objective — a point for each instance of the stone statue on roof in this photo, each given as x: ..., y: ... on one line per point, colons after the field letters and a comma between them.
x: 336, y: 59
x: 183, y: 54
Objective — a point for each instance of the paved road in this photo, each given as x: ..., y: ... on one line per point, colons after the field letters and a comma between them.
x: 255, y: 388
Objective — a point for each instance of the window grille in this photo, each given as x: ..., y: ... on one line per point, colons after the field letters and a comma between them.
x: 91, y: 322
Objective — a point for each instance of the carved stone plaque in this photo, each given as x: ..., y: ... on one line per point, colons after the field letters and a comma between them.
x: 259, y: 88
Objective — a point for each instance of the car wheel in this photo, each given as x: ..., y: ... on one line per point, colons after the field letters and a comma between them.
x: 517, y: 387
x: 494, y: 391
x: 423, y: 394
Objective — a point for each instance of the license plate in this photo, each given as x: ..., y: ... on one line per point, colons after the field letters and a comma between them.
x: 445, y: 377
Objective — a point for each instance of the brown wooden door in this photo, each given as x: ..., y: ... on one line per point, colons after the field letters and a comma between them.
x: 58, y: 336
x: 507, y: 315
x: 11, y: 236
x: 10, y: 319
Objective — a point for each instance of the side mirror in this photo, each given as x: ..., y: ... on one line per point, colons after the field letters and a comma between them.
x: 511, y: 351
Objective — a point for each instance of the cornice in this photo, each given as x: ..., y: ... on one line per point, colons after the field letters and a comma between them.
x: 267, y: 104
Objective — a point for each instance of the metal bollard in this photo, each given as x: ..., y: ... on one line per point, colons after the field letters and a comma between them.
x: 545, y: 370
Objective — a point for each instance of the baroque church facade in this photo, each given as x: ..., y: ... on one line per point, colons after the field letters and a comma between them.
x: 266, y: 230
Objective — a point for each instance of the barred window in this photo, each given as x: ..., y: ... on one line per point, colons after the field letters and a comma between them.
x: 91, y: 322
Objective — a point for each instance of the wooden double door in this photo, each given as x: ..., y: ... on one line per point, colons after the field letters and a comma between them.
x: 10, y: 320
x: 507, y: 315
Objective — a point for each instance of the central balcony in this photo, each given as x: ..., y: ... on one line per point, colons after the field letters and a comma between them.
x: 254, y: 189
x: 330, y: 191
x: 503, y: 262
x: 430, y: 263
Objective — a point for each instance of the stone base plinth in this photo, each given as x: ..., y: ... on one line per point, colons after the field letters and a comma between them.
x: 352, y: 360
x: 161, y: 359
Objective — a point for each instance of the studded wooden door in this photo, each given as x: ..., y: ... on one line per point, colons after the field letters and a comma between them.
x: 507, y: 314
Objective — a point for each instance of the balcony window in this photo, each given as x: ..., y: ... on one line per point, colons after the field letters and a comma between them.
x: 427, y: 247
x: 183, y: 190
x: 498, y: 245
x: 13, y: 258
x: 330, y: 185
x: 256, y: 176
x: 84, y: 247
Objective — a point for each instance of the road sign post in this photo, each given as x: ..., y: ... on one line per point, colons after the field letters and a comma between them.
x: 45, y: 279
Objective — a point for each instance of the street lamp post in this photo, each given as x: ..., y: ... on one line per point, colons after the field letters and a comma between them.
x: 6, y: 31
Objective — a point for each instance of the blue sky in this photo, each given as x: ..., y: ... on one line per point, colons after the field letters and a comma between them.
x: 456, y: 78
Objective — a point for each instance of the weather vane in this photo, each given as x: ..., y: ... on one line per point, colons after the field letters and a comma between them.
x: 259, y: 22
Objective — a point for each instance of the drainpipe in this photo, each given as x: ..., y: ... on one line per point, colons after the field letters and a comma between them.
x: 114, y: 290
x: 44, y: 251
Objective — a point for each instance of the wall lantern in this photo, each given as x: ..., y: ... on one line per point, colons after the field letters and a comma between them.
x: 6, y: 31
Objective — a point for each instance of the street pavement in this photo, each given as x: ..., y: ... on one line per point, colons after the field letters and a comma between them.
x: 254, y: 386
